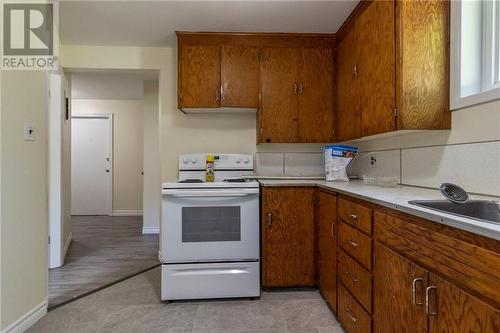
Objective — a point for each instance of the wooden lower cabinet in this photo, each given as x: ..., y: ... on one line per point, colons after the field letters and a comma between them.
x: 451, y: 309
x: 287, y: 217
x: 326, y: 238
x: 398, y: 297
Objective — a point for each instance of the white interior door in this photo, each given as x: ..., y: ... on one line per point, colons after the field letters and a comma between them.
x: 91, y: 161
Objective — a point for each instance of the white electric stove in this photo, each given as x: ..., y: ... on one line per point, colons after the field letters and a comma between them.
x: 209, y: 244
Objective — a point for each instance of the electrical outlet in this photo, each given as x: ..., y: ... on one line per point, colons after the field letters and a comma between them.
x: 373, y: 161
x: 29, y: 132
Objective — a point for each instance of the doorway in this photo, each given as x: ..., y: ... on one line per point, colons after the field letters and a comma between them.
x: 114, y: 193
x: 91, y: 164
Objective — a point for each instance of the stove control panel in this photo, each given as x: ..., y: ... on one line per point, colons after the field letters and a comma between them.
x: 221, y: 161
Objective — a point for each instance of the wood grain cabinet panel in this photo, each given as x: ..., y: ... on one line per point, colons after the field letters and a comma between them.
x: 376, y: 68
x: 351, y: 314
x: 398, y: 296
x: 287, y: 236
x: 199, y: 76
x: 356, y: 244
x: 347, y: 96
x: 326, y: 219
x: 240, y: 76
x: 315, y: 101
x: 279, y: 92
x: 356, y: 215
x: 356, y: 279
x: 451, y: 309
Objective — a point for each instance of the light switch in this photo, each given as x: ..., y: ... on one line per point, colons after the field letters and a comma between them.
x: 29, y: 132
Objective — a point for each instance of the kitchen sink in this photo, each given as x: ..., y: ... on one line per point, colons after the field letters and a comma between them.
x: 487, y: 211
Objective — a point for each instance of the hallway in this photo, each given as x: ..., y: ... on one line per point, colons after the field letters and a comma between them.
x: 104, y: 249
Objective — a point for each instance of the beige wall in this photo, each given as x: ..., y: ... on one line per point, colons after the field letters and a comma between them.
x: 127, y: 147
x: 24, y: 217
x: 180, y: 133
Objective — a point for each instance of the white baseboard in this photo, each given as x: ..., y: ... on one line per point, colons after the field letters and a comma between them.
x: 150, y: 230
x: 66, y: 245
x: 127, y: 212
x: 27, y: 320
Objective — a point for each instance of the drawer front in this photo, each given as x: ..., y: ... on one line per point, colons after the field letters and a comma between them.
x: 356, y: 215
x: 356, y: 244
x: 351, y: 314
x: 356, y: 279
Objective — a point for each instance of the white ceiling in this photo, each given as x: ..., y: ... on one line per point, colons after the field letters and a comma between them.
x: 153, y: 23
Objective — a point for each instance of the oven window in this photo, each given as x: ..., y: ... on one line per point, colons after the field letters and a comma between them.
x: 211, y: 224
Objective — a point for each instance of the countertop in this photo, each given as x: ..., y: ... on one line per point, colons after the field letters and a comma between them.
x: 397, y: 198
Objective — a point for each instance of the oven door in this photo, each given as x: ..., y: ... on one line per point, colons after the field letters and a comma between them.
x: 210, y: 225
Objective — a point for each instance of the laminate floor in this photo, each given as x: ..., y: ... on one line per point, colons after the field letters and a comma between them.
x: 104, y: 249
x: 134, y: 306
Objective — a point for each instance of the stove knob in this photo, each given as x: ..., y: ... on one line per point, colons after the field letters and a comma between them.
x: 246, y: 160
x: 238, y: 160
x: 185, y: 160
x: 194, y: 160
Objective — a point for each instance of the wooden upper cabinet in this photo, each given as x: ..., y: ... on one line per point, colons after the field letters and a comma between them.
x: 315, y: 102
x: 422, y: 53
x: 376, y: 67
x: 278, y: 116
x: 451, y: 309
x: 398, y: 293
x: 240, y: 76
x: 326, y: 220
x: 199, y: 76
x: 287, y: 236
x: 347, y: 97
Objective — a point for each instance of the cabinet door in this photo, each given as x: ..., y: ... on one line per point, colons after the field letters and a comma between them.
x: 278, y: 113
x: 453, y: 310
x: 376, y: 67
x: 348, y: 94
x: 287, y: 237
x: 326, y: 219
x: 398, y: 296
x: 199, y: 76
x: 315, y: 102
x: 240, y: 76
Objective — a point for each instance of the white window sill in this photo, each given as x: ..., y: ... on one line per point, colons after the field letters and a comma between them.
x: 483, y: 97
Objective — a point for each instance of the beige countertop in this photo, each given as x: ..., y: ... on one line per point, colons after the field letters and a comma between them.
x: 397, y: 198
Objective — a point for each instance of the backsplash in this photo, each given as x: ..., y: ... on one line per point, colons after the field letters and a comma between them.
x: 474, y: 166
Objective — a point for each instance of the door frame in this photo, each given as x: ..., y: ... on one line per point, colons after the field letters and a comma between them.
x: 109, y: 117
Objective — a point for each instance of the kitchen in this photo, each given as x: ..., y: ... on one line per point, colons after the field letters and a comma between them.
x: 246, y: 121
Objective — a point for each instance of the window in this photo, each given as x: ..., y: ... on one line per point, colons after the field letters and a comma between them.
x: 475, y: 52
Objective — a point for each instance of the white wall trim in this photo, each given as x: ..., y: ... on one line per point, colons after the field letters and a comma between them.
x: 150, y: 230
x: 66, y: 245
x: 28, y: 319
x: 127, y: 212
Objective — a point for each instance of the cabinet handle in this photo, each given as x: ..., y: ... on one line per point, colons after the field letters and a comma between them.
x: 353, y: 216
x: 414, y: 291
x: 351, y: 315
x: 217, y: 95
x: 221, y: 93
x: 301, y: 88
x: 353, y: 243
x: 355, y: 280
x: 269, y: 219
x: 331, y: 229
x: 295, y: 88
x: 427, y: 311
x: 355, y: 70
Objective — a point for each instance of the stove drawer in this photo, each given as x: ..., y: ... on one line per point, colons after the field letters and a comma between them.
x: 213, y: 280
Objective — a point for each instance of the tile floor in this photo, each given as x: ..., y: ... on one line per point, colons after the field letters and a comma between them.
x: 134, y: 306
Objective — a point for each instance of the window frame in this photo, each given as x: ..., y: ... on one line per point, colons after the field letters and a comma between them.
x: 489, y: 62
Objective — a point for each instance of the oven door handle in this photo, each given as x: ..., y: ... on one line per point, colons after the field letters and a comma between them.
x: 213, y: 193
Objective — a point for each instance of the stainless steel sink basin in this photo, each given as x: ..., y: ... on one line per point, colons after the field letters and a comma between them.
x: 487, y: 211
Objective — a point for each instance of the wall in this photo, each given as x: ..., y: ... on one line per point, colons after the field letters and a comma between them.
x: 180, y: 133
x: 66, y: 168
x: 24, y: 217
x: 151, y: 161
x: 127, y: 147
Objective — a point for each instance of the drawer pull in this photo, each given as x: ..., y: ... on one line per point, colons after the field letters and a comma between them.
x: 353, y: 243
x: 427, y: 311
x: 353, y: 216
x: 351, y: 315
x: 355, y: 280
x: 414, y: 291
x: 331, y: 229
